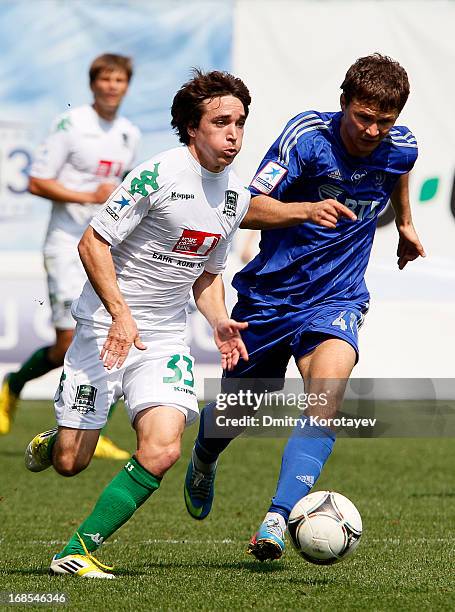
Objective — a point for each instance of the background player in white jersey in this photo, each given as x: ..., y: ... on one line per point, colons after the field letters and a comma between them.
x: 166, y: 230
x: 83, y: 159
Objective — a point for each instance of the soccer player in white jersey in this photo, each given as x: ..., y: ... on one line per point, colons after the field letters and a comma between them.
x: 88, y: 151
x: 164, y: 232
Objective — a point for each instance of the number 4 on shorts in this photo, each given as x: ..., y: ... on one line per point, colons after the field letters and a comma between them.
x: 340, y: 321
x: 177, y: 376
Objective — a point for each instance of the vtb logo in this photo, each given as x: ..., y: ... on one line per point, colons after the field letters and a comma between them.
x: 193, y: 242
x: 363, y: 209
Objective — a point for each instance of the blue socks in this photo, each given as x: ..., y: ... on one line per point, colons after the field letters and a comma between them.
x: 208, y: 448
x: 304, y: 457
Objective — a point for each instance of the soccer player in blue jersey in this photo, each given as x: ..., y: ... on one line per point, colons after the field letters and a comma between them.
x: 317, y: 196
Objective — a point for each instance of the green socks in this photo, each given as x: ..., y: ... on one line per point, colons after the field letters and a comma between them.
x: 128, y: 490
x: 35, y: 366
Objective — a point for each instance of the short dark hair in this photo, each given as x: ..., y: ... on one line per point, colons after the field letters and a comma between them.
x: 187, y: 106
x: 110, y: 62
x: 377, y: 79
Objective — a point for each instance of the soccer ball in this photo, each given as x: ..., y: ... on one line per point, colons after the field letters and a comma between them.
x: 325, y: 527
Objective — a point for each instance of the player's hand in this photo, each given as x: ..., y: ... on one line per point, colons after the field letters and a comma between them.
x: 327, y: 212
x: 230, y: 343
x: 409, y: 245
x: 103, y: 192
x: 122, y: 335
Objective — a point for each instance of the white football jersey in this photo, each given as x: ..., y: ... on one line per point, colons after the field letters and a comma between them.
x: 168, y: 221
x: 82, y: 151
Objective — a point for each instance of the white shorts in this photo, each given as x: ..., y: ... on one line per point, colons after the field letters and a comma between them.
x: 162, y: 375
x: 65, y: 279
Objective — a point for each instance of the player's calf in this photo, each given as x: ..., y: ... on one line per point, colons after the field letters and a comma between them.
x: 73, y: 450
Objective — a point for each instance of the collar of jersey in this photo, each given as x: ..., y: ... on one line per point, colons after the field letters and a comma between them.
x: 206, y: 174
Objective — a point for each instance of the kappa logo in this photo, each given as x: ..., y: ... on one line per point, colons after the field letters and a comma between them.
x: 182, y: 196
x: 97, y: 538
x: 230, y: 203
x: 147, y: 178
x: 63, y: 125
x: 269, y: 177
x: 85, y: 399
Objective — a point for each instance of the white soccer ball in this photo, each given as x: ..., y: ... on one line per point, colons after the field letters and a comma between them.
x: 325, y: 527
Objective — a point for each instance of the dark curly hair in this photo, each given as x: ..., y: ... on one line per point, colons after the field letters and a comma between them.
x: 187, y: 106
x: 377, y: 79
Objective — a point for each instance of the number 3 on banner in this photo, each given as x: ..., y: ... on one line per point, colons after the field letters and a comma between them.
x: 172, y: 364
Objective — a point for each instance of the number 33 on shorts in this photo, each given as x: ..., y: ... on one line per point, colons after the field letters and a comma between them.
x: 182, y: 370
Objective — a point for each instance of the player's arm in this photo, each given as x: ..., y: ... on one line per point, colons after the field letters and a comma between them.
x: 266, y: 212
x: 409, y: 246
x: 96, y: 257
x: 52, y: 189
x: 208, y: 291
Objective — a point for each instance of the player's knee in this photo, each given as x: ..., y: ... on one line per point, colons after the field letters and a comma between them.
x: 68, y: 465
x: 159, y: 459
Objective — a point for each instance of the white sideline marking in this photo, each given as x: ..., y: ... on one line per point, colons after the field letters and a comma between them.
x: 241, y: 542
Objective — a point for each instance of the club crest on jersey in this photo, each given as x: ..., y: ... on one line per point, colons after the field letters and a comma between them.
x: 118, y: 204
x: 269, y: 177
x: 230, y: 203
x: 85, y: 399
x: 379, y: 178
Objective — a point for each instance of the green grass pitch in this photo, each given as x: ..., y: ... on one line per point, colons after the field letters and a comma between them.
x: 164, y: 560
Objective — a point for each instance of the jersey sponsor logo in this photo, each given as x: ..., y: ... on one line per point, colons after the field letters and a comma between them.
x: 363, y: 209
x: 147, y: 178
x: 193, y: 242
x: 182, y: 196
x: 107, y: 167
x: 230, y: 203
x: 269, y: 177
x: 118, y: 203
x: 85, y: 399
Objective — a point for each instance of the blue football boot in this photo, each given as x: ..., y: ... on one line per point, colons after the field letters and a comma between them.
x: 268, y: 542
x: 199, y: 490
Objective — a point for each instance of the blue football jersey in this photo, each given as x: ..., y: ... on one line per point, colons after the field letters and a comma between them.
x: 308, y: 264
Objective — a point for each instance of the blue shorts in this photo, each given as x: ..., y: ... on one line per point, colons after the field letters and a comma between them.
x: 275, y: 333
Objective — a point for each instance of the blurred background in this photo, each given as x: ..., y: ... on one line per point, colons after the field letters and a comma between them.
x: 293, y: 55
